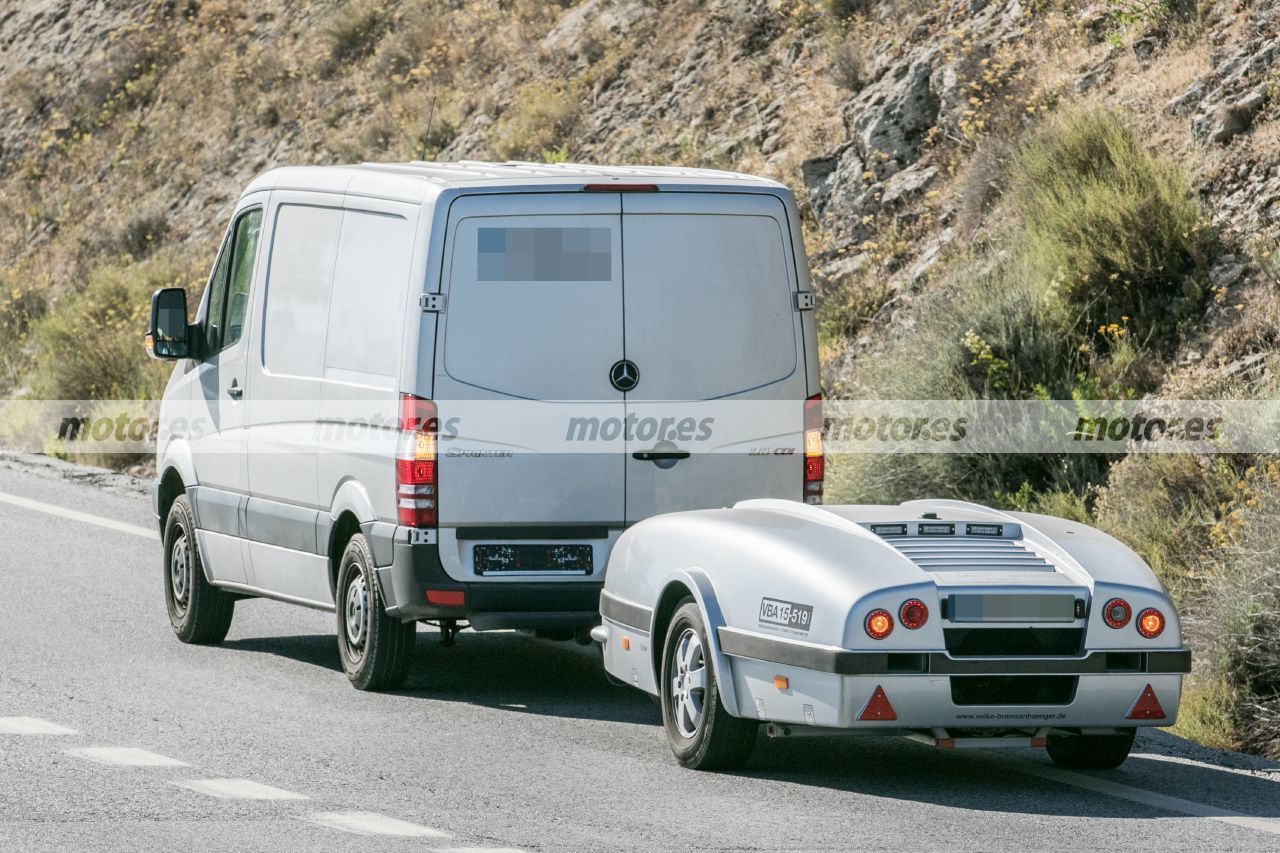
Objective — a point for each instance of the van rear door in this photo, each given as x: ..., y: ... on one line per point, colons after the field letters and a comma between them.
x: 533, y: 319
x: 708, y: 283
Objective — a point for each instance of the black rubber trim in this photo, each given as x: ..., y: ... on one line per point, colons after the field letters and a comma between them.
x: 625, y: 613
x: 845, y: 662
x: 550, y: 531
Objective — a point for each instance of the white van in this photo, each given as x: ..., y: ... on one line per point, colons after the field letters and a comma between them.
x: 410, y: 288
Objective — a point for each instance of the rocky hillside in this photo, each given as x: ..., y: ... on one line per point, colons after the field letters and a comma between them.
x: 1046, y: 198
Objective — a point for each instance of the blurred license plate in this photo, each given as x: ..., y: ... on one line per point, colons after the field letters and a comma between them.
x: 533, y: 558
x: 1013, y: 608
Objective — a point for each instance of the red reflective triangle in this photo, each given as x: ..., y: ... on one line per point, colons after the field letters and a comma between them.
x: 1147, y: 707
x: 878, y: 707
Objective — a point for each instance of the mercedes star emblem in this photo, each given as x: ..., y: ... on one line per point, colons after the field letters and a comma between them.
x: 624, y: 375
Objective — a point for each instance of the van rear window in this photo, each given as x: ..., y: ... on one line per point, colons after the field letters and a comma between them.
x: 544, y: 254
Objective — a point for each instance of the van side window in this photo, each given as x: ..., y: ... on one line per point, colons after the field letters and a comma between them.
x: 304, y: 248
x: 229, y: 284
x: 245, y: 250
x: 217, y: 299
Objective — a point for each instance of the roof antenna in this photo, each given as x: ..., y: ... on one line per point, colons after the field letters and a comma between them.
x: 426, y: 137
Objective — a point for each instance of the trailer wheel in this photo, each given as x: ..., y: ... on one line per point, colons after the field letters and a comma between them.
x: 701, y: 733
x: 376, y: 649
x: 199, y: 612
x: 1091, y: 752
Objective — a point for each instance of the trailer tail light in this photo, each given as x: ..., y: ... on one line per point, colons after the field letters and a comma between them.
x: 1117, y: 613
x: 879, y: 624
x: 1150, y: 623
x: 813, y: 459
x: 416, y: 497
x: 913, y: 614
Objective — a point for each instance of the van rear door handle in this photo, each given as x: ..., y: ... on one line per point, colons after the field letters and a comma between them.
x: 235, y: 390
x: 656, y: 455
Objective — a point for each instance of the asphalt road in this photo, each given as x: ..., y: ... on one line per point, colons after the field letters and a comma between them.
x: 499, y: 743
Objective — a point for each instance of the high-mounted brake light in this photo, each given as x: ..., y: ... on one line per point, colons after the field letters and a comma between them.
x: 1151, y: 623
x: 620, y: 188
x: 813, y: 459
x: 1117, y: 613
x: 416, y: 497
x: 879, y: 624
x: 913, y: 614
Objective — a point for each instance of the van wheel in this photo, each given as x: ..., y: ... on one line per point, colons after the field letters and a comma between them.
x: 199, y: 612
x: 376, y: 649
x: 1090, y: 752
x: 701, y: 733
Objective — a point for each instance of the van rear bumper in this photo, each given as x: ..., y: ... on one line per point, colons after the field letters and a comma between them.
x: 489, y: 606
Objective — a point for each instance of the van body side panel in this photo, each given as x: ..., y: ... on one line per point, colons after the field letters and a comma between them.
x: 533, y: 322
x: 709, y: 283
x: 374, y: 299
x: 284, y: 396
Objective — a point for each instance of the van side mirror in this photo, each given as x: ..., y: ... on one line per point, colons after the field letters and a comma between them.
x: 168, y: 337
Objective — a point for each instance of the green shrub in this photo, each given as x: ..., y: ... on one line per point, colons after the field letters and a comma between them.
x: 1165, y: 507
x: 90, y: 347
x: 541, y: 117
x: 1246, y: 611
x: 22, y: 302
x: 1115, y: 227
x: 354, y: 31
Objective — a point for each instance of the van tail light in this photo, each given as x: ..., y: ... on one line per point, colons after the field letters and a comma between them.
x: 416, y: 497
x: 813, y: 459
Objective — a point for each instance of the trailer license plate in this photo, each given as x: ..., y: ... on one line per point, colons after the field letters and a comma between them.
x: 1013, y: 608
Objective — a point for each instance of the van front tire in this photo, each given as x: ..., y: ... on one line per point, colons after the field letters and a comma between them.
x: 199, y: 612
x: 376, y: 649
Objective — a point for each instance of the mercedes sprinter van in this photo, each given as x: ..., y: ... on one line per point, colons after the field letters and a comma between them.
x: 440, y: 391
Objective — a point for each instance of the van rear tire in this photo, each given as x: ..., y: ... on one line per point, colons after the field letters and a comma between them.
x: 199, y: 612
x: 376, y: 649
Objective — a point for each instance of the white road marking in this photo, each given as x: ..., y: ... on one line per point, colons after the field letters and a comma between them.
x: 477, y: 850
x: 74, y: 515
x: 238, y: 789
x: 372, y: 823
x: 1263, y: 773
x: 32, y: 726
x: 1145, y: 797
x: 125, y: 756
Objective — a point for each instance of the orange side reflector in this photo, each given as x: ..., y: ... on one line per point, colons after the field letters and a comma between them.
x: 626, y: 644
x: 1147, y: 707
x: 1039, y: 742
x: 781, y: 682
x: 878, y: 707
